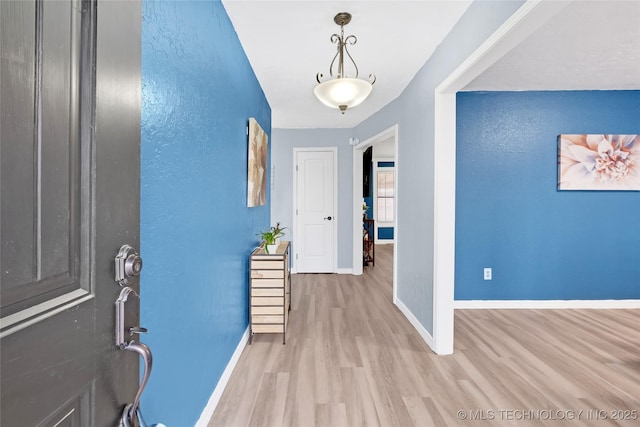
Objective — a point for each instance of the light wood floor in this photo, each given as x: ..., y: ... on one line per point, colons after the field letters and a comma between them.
x: 352, y: 359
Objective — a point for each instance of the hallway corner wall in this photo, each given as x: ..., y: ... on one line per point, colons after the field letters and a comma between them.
x: 414, y: 112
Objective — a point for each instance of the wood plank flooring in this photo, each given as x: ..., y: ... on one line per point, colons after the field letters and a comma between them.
x: 352, y: 359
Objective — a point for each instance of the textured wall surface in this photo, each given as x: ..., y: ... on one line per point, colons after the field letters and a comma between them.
x: 413, y: 111
x: 196, y: 230
x: 541, y: 243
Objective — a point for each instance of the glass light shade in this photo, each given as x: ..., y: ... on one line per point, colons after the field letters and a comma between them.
x: 343, y: 92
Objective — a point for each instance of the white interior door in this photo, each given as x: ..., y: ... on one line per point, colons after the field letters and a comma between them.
x: 315, y: 232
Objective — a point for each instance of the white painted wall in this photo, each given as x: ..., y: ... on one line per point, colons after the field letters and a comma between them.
x: 283, y: 142
x: 385, y: 149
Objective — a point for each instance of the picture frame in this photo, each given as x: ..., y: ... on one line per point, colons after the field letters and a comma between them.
x: 599, y: 162
x: 257, y: 160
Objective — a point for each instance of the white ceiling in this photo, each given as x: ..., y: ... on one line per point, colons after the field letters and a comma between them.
x: 588, y: 45
x: 288, y: 43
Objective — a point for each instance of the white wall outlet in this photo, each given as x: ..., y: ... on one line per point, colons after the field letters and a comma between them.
x: 487, y: 274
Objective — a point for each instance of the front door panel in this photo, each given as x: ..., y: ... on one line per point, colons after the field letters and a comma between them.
x: 69, y: 174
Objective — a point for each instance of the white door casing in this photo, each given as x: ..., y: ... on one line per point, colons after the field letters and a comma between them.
x: 358, y: 150
x: 527, y: 19
x: 315, y: 223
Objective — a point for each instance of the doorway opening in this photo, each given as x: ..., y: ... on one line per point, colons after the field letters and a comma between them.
x: 389, y: 135
x: 529, y: 18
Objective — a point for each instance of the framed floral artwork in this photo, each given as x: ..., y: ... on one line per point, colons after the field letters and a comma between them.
x: 598, y: 162
x: 257, y: 165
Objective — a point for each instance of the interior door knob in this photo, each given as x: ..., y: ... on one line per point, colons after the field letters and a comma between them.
x: 328, y: 217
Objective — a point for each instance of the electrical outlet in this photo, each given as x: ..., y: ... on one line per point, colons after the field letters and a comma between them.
x: 487, y: 274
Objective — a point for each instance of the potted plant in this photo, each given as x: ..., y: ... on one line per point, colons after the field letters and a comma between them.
x: 278, y: 231
x: 270, y: 238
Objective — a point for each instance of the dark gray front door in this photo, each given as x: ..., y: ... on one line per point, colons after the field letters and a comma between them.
x: 69, y: 178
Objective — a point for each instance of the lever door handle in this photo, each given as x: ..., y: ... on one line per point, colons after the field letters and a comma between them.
x: 328, y: 218
x: 130, y: 411
x: 137, y: 330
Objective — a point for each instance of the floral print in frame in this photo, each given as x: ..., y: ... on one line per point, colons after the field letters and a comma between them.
x: 598, y: 162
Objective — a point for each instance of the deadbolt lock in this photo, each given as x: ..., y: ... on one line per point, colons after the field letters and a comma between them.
x: 128, y: 265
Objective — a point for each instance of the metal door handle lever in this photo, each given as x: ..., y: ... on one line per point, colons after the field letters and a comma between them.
x: 328, y: 217
x: 130, y: 413
x: 137, y: 330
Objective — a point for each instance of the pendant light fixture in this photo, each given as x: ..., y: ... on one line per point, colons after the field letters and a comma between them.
x: 343, y: 91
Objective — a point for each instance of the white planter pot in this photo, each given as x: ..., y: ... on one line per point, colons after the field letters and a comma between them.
x: 271, y: 249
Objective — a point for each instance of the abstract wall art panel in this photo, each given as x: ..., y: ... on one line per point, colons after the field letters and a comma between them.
x: 257, y: 166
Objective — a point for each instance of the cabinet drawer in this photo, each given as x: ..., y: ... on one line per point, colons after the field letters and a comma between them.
x: 267, y: 292
x: 278, y: 320
x: 267, y: 274
x: 267, y: 301
x: 267, y: 329
x: 266, y: 310
x: 267, y: 265
x: 267, y: 283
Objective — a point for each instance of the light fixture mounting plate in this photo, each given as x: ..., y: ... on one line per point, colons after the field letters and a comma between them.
x: 342, y: 18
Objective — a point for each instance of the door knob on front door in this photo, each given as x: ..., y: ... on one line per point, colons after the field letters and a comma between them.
x: 328, y: 218
x: 128, y: 265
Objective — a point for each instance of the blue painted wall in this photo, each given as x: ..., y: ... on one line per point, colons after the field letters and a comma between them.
x: 541, y: 243
x: 385, y: 233
x: 198, y: 92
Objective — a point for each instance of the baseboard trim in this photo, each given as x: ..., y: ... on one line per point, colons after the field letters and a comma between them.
x: 542, y: 304
x: 385, y: 242
x: 338, y: 271
x: 207, y: 413
x: 426, y: 336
